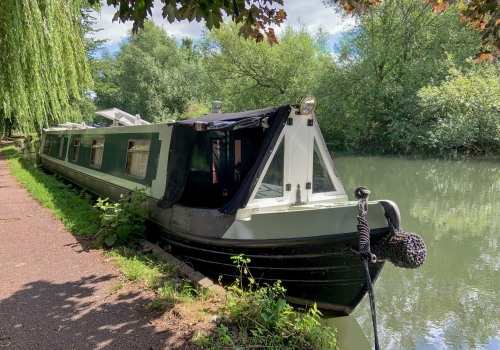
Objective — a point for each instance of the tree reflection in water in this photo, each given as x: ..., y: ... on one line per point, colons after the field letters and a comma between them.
x: 451, y: 301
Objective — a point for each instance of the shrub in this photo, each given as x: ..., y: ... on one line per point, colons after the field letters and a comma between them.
x: 464, y: 110
x: 259, y: 316
x: 124, y: 221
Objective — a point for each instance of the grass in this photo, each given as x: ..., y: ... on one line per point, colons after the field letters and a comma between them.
x: 155, y: 275
x: 70, y: 205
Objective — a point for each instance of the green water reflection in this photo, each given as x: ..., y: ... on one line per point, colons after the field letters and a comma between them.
x: 451, y: 301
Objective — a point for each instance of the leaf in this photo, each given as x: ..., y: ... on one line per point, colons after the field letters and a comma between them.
x: 123, y: 232
x: 281, y: 14
x: 169, y: 12
x: 440, y: 6
x: 271, y: 37
x: 110, y: 240
x: 198, y: 14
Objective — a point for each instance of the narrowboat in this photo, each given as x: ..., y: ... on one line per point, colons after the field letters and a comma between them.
x: 260, y: 183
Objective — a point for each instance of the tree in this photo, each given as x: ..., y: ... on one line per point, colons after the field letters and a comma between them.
x: 43, y: 64
x: 247, y: 75
x: 257, y: 17
x: 463, y: 111
x: 397, y: 49
x: 482, y: 15
x: 151, y: 75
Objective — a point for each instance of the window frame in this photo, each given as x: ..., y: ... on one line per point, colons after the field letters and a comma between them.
x: 93, y: 153
x: 128, y: 163
x: 76, y: 149
x: 281, y: 142
x: 317, y: 154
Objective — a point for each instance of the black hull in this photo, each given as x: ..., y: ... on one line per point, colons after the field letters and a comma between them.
x: 321, y: 270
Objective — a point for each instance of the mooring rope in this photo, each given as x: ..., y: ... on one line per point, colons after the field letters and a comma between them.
x: 362, y: 193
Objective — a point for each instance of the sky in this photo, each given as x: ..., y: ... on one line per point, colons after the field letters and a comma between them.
x: 312, y: 14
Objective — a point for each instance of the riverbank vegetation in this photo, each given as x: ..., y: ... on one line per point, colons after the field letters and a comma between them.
x: 248, y: 313
x: 402, y: 80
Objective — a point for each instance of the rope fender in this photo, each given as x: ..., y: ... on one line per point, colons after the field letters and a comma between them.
x: 403, y: 249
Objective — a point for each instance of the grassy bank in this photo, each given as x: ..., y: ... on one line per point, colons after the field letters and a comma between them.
x: 253, y: 316
x: 70, y: 205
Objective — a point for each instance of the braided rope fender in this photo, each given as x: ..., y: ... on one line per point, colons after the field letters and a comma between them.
x: 403, y: 249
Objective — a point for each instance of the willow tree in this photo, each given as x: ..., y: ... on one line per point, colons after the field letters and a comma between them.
x: 43, y: 64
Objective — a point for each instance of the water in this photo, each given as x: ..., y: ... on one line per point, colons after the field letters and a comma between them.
x: 451, y: 301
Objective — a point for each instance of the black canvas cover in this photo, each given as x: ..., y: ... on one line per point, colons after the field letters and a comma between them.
x: 183, y: 142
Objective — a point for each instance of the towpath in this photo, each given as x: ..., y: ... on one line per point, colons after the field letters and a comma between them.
x: 56, y: 294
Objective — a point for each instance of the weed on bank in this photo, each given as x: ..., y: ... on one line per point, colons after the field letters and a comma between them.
x: 258, y: 317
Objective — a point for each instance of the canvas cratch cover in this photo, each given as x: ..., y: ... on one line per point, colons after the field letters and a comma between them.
x: 186, y: 132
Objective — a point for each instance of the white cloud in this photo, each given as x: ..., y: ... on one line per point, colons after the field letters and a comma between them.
x: 114, y: 32
x: 312, y: 14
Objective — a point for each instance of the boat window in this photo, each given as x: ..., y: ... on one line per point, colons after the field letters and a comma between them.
x: 48, y: 145
x: 321, y: 179
x: 96, y: 153
x: 237, y: 160
x: 76, y: 149
x: 216, y: 164
x: 220, y: 162
x: 137, y: 158
x: 61, y: 146
x: 272, y: 184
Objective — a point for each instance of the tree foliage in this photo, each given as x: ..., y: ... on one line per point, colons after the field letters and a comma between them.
x: 245, y: 74
x: 256, y: 17
x: 482, y: 15
x: 463, y: 111
x: 151, y: 75
x: 43, y: 64
x: 397, y: 49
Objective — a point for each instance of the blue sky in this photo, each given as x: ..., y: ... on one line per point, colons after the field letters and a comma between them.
x: 312, y: 14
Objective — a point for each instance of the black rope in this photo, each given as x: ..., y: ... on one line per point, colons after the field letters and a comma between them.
x: 362, y: 193
x: 369, y: 286
x: 393, y: 228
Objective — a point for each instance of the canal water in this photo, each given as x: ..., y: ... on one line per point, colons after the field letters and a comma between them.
x: 452, y: 301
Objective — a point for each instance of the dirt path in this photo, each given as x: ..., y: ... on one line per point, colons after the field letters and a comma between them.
x: 56, y: 294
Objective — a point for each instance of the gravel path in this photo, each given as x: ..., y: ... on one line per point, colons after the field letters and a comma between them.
x: 56, y: 294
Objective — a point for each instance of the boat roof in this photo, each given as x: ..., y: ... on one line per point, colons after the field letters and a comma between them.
x: 120, y: 117
x: 257, y: 113
x: 224, y: 121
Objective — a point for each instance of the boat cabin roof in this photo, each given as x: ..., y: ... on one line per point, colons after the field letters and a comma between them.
x: 239, y: 120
